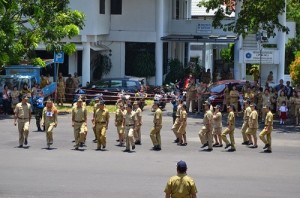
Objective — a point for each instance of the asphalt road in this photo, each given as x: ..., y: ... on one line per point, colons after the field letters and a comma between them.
x: 64, y: 172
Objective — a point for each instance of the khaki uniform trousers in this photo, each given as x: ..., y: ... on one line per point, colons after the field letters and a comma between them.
x: 176, y: 126
x: 137, y: 133
x: 205, y: 136
x: 79, y: 133
x: 85, y: 133
x: 251, y: 131
x: 120, y: 129
x: 23, y: 127
x: 129, y: 136
x: 243, y: 131
x: 155, y: 135
x: 182, y: 129
x: 49, y: 132
x: 266, y: 133
x: 94, y: 130
x: 229, y: 132
x: 101, y: 134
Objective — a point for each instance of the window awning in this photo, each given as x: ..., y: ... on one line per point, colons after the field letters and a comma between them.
x: 201, y: 38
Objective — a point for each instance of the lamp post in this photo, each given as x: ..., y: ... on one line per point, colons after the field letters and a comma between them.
x: 260, y: 55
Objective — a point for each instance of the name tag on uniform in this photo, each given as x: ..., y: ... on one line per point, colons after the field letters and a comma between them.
x: 49, y: 114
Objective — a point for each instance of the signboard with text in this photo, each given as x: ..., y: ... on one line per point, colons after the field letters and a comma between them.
x: 256, y: 56
x: 204, y: 28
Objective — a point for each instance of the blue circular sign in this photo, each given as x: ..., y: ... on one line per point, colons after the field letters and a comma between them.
x: 248, y: 55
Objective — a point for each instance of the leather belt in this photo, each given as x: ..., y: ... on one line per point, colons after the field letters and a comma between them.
x: 101, y: 122
x: 129, y: 124
x: 79, y: 121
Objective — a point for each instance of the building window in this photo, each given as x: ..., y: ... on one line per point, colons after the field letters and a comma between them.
x: 116, y: 7
x: 102, y: 6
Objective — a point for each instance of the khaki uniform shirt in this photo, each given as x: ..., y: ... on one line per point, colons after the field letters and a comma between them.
x: 130, y: 118
x: 253, y: 120
x: 217, y: 120
x: 249, y: 95
x: 157, y: 120
x: 234, y: 96
x: 61, y: 84
x: 280, y: 99
x: 49, y: 115
x: 231, y: 120
x: 191, y: 92
x: 181, y: 186
x: 79, y: 114
x: 207, y: 119
x: 247, y: 113
x: 266, y: 100
x: 119, y: 116
x: 101, y: 116
x: 178, y: 110
x: 269, y: 118
x: 183, y: 117
x: 138, y: 113
x: 23, y: 110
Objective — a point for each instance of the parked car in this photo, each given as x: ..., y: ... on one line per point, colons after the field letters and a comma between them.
x: 215, y: 92
x: 110, y: 89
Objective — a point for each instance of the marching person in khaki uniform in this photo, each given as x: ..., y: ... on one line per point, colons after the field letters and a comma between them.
x: 176, y: 124
x: 234, y: 98
x: 97, y: 100
x: 253, y: 126
x: 245, y: 125
x: 230, y: 130
x: 49, y: 121
x: 129, y: 122
x: 190, y: 95
x: 23, y: 114
x: 267, y: 131
x: 226, y: 96
x: 205, y: 134
x: 181, y: 134
x: 259, y: 101
x: 297, y: 108
x: 60, y: 89
x: 181, y: 185
x: 138, y: 113
x: 119, y: 123
x: 101, y: 120
x: 155, y: 131
x: 266, y: 101
x: 217, y: 126
x: 79, y: 123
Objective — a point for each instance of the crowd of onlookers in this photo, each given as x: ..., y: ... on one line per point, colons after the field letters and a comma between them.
x: 11, y: 95
x: 283, y: 98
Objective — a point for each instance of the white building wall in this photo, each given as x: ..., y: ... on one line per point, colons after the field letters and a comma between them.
x: 95, y: 23
x: 136, y: 15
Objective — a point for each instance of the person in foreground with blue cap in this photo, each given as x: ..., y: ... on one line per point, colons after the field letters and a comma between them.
x: 181, y: 185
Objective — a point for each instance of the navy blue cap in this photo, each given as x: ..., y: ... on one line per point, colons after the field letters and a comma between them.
x: 181, y: 164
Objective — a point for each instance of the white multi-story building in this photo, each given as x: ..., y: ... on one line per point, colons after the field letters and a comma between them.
x: 169, y: 28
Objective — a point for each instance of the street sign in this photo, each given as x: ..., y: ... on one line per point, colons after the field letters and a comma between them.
x: 58, y: 57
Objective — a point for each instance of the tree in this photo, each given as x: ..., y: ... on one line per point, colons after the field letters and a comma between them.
x: 26, y: 23
x: 101, y: 64
x: 255, y: 15
x: 295, y: 69
x: 144, y: 65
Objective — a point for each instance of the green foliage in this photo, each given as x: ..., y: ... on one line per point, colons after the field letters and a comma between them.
x: 176, y: 71
x: 101, y: 64
x: 255, y: 15
x: 227, y: 54
x: 144, y: 65
x: 26, y: 23
x: 37, y: 61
